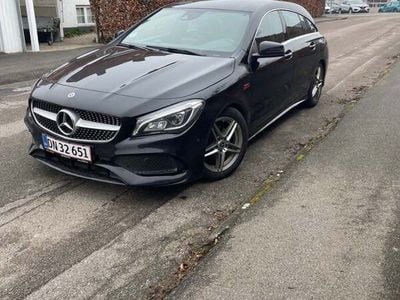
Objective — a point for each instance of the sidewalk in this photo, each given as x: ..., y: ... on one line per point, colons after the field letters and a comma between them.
x: 86, y: 40
x: 330, y: 229
x: 330, y: 18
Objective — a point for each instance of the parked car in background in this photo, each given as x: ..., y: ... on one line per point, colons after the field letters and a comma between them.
x: 332, y: 7
x: 390, y: 7
x: 327, y: 8
x: 178, y: 96
x: 354, y: 6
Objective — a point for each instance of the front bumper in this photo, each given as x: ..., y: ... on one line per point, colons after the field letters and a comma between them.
x: 154, y: 160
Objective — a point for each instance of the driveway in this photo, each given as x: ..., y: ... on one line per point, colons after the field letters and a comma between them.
x: 63, y: 237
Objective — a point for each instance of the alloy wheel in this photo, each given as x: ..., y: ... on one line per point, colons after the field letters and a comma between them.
x: 224, y: 145
x: 318, y: 83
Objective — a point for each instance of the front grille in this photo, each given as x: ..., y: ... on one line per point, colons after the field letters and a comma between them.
x: 98, y: 118
x: 100, y: 127
x: 46, y: 106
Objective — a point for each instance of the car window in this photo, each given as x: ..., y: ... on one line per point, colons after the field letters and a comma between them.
x: 270, y: 29
x: 207, y: 31
x: 307, y: 25
x: 293, y: 23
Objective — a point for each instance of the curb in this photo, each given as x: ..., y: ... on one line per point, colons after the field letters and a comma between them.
x: 329, y: 19
x: 66, y: 48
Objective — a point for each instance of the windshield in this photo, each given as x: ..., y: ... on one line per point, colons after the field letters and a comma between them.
x: 198, y: 31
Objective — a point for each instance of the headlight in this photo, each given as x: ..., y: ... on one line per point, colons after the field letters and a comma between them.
x: 175, y: 118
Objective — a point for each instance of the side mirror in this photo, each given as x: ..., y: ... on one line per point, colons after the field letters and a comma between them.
x: 270, y: 49
x: 118, y: 33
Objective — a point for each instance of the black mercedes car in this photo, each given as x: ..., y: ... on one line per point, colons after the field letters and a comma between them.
x: 178, y: 96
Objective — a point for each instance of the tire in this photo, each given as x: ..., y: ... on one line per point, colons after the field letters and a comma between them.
x: 226, y: 145
x: 315, y: 90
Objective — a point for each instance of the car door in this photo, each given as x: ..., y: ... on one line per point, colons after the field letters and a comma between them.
x: 312, y: 47
x: 269, y: 91
x: 297, y: 45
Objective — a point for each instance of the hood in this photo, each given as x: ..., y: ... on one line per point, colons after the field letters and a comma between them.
x: 141, y: 73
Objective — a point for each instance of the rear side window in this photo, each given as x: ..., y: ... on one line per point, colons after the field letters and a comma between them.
x: 308, y: 26
x: 294, y: 26
x: 270, y: 29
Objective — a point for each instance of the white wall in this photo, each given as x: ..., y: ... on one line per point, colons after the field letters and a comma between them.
x: 10, y: 30
x: 1, y: 41
x: 69, y: 12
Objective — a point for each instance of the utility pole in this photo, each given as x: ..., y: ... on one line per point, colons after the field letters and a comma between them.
x: 30, y: 11
x: 60, y: 13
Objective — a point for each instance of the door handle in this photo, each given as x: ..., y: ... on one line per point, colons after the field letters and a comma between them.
x: 288, y: 55
x: 312, y: 45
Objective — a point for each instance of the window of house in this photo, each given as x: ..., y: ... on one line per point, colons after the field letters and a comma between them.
x: 84, y: 15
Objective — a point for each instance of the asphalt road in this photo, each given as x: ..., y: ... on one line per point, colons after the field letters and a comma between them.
x: 329, y: 229
x: 23, y: 66
x: 63, y: 237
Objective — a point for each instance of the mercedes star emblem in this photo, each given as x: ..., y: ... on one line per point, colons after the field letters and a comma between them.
x: 66, y: 121
x: 71, y: 95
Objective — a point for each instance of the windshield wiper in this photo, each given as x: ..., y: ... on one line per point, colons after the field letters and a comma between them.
x: 167, y: 49
x: 131, y: 46
x: 174, y: 50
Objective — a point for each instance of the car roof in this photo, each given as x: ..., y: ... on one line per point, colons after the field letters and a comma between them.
x: 240, y: 5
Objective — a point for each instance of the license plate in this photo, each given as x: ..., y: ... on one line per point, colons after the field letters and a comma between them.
x: 69, y: 150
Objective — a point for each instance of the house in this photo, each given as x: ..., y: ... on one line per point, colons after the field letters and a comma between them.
x: 14, y: 14
x: 77, y: 14
x: 11, y: 34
